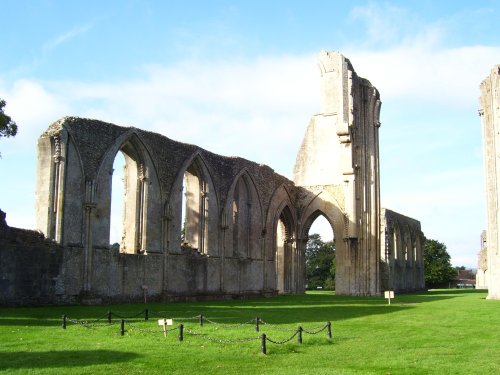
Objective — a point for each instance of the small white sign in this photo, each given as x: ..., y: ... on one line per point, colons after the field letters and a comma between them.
x: 389, y: 294
x: 164, y: 323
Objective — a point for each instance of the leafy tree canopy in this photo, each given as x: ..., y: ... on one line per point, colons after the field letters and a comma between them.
x: 320, y: 263
x: 438, y: 269
x: 8, y: 128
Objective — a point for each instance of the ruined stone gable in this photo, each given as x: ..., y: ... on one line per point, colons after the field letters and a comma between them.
x: 201, y: 225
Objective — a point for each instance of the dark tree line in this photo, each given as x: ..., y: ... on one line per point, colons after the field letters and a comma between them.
x: 320, y: 263
x: 438, y: 269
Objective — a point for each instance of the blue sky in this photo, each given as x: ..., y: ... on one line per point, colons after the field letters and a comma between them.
x: 240, y: 78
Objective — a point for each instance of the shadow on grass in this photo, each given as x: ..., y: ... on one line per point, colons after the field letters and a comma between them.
x: 288, y: 309
x: 455, y: 292
x: 62, y: 359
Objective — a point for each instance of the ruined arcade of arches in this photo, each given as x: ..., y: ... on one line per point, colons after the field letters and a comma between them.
x: 197, y: 224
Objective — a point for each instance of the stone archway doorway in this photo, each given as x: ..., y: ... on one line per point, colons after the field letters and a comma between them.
x: 320, y: 254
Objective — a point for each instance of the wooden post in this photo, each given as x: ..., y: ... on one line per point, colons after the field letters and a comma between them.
x: 181, y: 332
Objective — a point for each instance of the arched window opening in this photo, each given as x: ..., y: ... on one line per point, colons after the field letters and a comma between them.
x: 322, y: 227
x: 395, y: 246
x: 127, y: 197
x: 320, y: 260
x: 285, y: 252
x: 282, y: 258
x: 411, y: 255
x: 117, y: 201
x: 241, y: 217
x: 194, y: 209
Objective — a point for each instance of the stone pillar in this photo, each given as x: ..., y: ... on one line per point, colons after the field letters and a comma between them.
x: 490, y: 115
x: 88, y: 207
x: 340, y: 149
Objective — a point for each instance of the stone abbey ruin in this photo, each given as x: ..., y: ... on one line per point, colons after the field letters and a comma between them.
x: 201, y: 225
x: 488, y: 274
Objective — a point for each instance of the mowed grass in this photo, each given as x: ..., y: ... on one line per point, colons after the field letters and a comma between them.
x: 437, y: 332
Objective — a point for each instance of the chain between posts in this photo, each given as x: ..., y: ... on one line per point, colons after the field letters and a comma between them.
x: 85, y: 323
x: 205, y: 319
x: 264, y: 338
x: 284, y: 341
x: 317, y: 330
x: 145, y: 312
x: 193, y: 333
x: 274, y: 326
x: 153, y: 330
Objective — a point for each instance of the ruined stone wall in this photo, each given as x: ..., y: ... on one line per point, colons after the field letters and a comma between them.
x: 201, y: 225
x: 339, y: 155
x: 482, y: 264
x: 490, y: 115
x: 219, y: 257
x: 35, y: 270
x: 401, y: 257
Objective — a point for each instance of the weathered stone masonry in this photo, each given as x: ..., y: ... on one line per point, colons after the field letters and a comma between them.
x: 402, y: 253
x: 197, y: 224
x: 490, y: 116
x: 217, y: 255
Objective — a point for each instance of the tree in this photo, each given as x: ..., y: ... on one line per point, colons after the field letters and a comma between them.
x: 320, y: 263
x: 8, y: 128
x: 438, y: 269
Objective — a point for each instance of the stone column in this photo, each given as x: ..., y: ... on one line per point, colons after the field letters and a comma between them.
x: 490, y: 115
x: 89, y: 207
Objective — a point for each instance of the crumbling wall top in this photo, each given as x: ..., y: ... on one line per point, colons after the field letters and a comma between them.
x: 94, y: 139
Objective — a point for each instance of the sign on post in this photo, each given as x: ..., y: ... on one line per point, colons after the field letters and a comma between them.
x: 389, y: 294
x: 164, y: 323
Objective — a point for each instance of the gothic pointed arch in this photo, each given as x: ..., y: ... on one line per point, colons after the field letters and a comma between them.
x: 243, y: 217
x: 280, y: 235
x: 194, y: 206
x: 286, y: 257
x: 141, y: 219
x: 323, y: 203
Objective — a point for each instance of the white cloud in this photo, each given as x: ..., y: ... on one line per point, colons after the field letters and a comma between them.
x: 385, y: 24
x: 33, y: 106
x: 65, y: 37
x: 267, y: 103
x: 446, y: 76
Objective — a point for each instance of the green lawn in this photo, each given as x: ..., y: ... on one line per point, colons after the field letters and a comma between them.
x: 438, y: 332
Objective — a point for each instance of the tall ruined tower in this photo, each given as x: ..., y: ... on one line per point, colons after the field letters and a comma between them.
x: 490, y: 114
x: 340, y: 155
